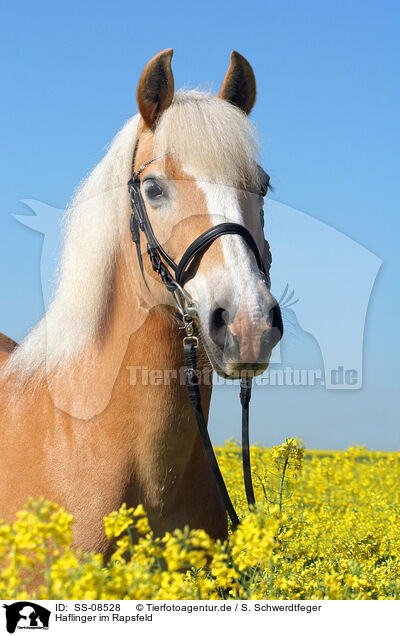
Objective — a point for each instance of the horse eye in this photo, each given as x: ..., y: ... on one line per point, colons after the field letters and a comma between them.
x: 265, y: 184
x: 153, y: 190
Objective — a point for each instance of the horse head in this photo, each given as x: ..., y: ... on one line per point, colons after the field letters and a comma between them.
x: 195, y: 167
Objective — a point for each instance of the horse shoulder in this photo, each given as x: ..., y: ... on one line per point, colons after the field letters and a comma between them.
x: 7, y: 346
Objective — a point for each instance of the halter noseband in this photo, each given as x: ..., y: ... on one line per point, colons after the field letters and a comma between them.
x: 139, y: 222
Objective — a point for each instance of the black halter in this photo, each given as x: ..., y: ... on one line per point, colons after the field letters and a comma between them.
x: 139, y: 222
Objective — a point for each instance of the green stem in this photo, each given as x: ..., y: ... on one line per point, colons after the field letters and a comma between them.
x: 281, y: 484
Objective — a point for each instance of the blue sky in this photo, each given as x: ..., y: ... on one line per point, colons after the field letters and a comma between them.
x: 327, y: 112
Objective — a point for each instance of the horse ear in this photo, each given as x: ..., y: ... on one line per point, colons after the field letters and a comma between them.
x: 239, y: 85
x: 156, y: 87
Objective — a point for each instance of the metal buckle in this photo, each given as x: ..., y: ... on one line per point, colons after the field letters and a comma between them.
x: 188, y: 325
x: 183, y: 301
x: 191, y: 340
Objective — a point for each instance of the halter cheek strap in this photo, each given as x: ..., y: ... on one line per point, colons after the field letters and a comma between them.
x: 139, y: 222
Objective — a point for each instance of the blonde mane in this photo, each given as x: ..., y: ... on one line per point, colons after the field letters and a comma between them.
x: 209, y: 137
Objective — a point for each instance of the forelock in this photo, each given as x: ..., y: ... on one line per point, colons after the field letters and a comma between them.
x: 211, y: 139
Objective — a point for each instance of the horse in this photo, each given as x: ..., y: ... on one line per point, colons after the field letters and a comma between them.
x: 88, y: 417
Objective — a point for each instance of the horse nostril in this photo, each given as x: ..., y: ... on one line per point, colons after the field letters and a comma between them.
x: 218, y: 326
x: 276, y: 325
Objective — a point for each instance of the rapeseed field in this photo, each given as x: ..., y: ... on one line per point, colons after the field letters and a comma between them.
x: 326, y: 526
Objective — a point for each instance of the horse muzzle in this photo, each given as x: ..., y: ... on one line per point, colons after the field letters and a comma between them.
x: 239, y: 342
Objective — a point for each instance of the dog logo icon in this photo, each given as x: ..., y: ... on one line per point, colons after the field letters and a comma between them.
x: 26, y: 615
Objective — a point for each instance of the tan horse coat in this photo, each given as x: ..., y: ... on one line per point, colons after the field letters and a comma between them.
x: 82, y: 433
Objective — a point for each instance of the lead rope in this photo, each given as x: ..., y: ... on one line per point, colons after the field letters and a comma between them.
x: 190, y: 343
x: 245, y: 396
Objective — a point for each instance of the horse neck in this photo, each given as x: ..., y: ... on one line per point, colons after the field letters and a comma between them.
x: 150, y: 394
x: 154, y: 357
x: 134, y: 368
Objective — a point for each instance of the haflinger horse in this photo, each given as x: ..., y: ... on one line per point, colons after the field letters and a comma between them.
x: 81, y: 421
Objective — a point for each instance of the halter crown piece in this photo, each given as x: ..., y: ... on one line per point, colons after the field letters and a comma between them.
x: 139, y: 222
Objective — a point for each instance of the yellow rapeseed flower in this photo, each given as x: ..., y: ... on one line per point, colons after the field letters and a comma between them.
x: 327, y: 526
